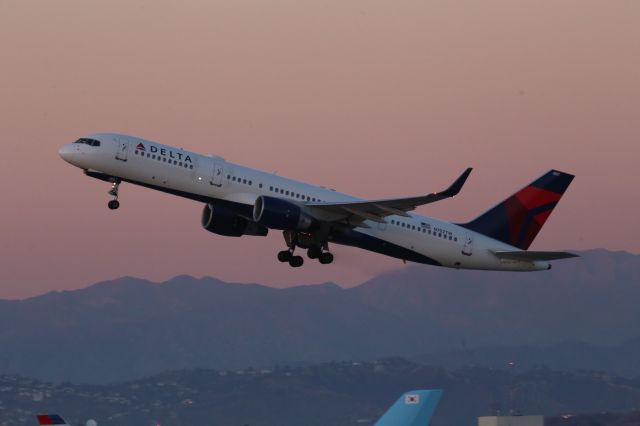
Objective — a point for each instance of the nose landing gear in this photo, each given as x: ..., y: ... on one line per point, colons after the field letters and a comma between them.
x: 114, y: 204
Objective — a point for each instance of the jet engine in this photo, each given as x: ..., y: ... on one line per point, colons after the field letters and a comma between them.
x: 281, y: 214
x: 222, y: 221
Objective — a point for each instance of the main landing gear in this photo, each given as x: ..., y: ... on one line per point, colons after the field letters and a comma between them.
x: 291, y: 238
x: 287, y: 256
x: 314, y: 251
x: 114, y: 204
x: 324, y: 257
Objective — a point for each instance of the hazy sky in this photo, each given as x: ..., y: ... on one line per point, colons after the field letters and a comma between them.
x: 374, y: 98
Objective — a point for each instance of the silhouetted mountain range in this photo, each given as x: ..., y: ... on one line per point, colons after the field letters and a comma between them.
x: 128, y: 328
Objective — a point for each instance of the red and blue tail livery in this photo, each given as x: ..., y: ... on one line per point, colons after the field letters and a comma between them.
x: 518, y: 219
x: 51, y: 419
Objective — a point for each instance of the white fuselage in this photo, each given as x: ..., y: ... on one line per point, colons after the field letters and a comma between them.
x: 204, y: 178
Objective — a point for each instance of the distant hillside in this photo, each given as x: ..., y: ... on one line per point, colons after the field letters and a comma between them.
x: 337, y: 394
x: 599, y: 419
x: 593, y: 299
x: 622, y: 359
x: 128, y: 328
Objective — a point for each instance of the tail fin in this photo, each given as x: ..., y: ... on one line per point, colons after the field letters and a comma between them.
x: 518, y: 219
x: 414, y: 408
x: 51, y: 419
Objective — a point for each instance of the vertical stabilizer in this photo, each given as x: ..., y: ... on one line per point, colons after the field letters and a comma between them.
x: 414, y: 408
x: 518, y: 219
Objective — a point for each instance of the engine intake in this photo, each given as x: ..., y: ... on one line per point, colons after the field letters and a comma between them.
x: 223, y: 221
x: 281, y: 214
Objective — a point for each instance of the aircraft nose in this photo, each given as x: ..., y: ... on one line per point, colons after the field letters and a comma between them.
x: 66, y: 152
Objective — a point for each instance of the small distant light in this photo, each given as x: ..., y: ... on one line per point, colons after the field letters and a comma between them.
x: 199, y: 178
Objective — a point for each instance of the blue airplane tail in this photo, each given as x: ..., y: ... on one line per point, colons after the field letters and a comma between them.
x: 414, y: 408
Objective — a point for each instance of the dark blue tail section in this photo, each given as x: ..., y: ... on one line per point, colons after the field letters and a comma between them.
x: 518, y: 219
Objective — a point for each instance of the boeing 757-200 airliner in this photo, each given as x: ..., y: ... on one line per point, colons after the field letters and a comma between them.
x: 241, y: 201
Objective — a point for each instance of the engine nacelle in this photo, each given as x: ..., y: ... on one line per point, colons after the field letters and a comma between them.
x: 223, y: 221
x: 281, y: 214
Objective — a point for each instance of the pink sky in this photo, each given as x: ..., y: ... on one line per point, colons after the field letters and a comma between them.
x: 374, y: 98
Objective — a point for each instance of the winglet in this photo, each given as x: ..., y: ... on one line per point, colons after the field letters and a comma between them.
x: 457, y: 185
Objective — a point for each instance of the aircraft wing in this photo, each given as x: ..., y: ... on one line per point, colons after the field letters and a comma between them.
x: 377, y: 210
x: 532, y: 256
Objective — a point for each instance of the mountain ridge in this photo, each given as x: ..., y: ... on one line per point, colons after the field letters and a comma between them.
x: 130, y: 327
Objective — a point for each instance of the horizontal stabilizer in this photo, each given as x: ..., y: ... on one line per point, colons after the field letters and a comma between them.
x: 532, y: 256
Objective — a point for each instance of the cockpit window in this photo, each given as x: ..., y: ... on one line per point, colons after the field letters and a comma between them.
x: 90, y: 142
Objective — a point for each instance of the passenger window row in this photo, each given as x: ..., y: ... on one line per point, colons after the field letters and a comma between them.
x: 240, y: 180
x: 282, y: 191
x: 162, y: 159
x: 423, y: 229
x: 296, y: 195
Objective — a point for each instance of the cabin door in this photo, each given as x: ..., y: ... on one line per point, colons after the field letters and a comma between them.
x: 123, y: 150
x: 467, y: 250
x: 217, y: 174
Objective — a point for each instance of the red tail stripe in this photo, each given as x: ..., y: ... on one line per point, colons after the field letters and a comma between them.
x: 532, y: 197
x: 541, y: 218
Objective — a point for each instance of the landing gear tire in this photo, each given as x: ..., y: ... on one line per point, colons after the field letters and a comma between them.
x: 296, y: 261
x: 314, y: 253
x: 326, y: 258
x: 285, y: 256
x: 114, y: 204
